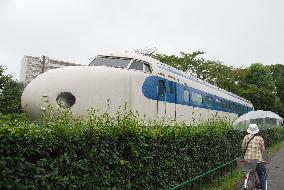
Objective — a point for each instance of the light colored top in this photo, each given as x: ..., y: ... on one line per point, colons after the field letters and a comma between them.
x: 255, y: 147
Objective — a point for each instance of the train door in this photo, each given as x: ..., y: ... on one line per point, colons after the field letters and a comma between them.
x: 161, y: 99
x: 171, y: 100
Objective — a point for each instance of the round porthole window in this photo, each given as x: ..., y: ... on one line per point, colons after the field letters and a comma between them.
x: 66, y: 100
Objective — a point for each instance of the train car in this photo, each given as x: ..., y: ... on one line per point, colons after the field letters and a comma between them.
x: 131, y: 82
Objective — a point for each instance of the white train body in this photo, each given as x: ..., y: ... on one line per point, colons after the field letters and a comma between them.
x: 141, y: 84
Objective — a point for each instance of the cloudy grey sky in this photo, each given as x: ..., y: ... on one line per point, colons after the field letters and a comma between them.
x: 236, y: 32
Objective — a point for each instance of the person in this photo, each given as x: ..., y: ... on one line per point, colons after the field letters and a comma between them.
x: 254, y: 148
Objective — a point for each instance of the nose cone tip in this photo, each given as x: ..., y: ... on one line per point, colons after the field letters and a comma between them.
x: 63, y: 88
x: 44, y: 90
x: 29, y: 104
x: 32, y: 97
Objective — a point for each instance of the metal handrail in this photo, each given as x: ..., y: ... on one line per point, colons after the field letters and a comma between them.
x: 199, y: 177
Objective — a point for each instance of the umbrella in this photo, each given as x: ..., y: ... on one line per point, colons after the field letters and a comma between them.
x: 264, y: 120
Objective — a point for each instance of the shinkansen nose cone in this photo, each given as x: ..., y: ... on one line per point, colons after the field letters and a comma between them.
x: 75, y: 88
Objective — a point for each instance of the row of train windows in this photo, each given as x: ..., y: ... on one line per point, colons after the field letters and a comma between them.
x: 200, y: 100
x: 208, y: 101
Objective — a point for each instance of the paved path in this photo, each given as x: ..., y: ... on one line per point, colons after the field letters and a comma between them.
x: 276, y: 171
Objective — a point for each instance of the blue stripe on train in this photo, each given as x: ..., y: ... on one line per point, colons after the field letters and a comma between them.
x: 150, y: 91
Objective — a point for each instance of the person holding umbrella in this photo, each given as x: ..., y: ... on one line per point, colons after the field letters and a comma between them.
x: 253, y: 146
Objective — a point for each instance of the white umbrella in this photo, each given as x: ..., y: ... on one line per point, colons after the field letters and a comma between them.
x: 264, y: 120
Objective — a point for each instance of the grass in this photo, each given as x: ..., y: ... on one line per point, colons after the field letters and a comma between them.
x: 228, y: 182
x: 274, y: 148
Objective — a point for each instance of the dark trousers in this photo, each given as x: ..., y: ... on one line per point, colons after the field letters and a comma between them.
x: 261, y: 175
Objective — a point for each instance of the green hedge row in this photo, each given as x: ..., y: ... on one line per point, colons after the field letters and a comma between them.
x: 107, y: 153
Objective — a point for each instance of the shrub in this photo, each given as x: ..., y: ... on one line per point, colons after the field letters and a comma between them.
x: 112, y: 153
x: 10, y: 93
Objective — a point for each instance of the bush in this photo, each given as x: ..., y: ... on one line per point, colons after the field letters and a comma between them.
x: 10, y: 94
x: 111, y: 153
x: 14, y: 120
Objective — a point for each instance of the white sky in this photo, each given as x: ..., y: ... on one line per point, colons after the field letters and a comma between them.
x: 237, y: 32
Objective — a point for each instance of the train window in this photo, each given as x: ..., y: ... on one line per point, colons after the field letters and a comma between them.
x: 172, y: 90
x: 226, y: 105
x: 196, y: 98
x: 186, y: 95
x: 240, y: 109
x: 110, y: 62
x: 229, y: 106
x: 244, y: 109
x: 147, y: 68
x: 161, y: 88
x: 233, y: 107
x: 237, y: 108
x: 219, y: 103
x: 136, y: 65
x: 208, y: 101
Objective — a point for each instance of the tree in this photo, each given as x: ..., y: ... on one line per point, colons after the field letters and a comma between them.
x: 3, y: 78
x: 260, y: 76
x: 277, y: 72
x: 256, y: 84
x: 213, y: 72
x: 10, y: 96
x: 261, y: 98
x: 187, y: 62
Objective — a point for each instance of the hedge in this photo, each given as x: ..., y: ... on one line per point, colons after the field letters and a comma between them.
x: 112, y: 153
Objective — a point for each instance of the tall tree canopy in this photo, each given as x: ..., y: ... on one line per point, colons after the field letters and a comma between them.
x: 259, y: 87
x: 260, y: 76
x: 277, y: 72
x: 213, y: 72
x: 3, y: 78
x: 10, y: 94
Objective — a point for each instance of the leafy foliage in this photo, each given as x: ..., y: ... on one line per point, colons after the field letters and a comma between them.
x: 10, y: 94
x: 15, y: 120
x: 260, y: 76
x: 112, y: 153
x: 213, y: 72
x: 3, y: 78
x: 277, y: 72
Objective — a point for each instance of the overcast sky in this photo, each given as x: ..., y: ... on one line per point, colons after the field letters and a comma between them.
x: 236, y: 32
